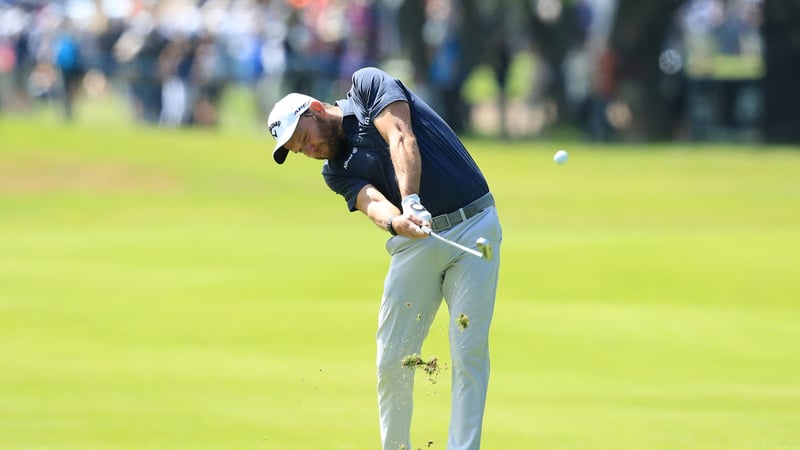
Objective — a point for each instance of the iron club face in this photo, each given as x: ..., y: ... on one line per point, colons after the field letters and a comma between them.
x: 485, y: 247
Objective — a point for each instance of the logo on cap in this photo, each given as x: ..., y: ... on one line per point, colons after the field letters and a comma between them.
x: 272, y: 128
x: 301, y: 108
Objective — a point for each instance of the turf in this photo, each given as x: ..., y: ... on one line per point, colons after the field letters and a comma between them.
x: 176, y: 289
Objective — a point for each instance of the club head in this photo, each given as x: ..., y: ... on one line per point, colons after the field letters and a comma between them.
x: 485, y: 248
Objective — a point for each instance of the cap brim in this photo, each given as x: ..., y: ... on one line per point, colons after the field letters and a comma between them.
x: 279, y: 154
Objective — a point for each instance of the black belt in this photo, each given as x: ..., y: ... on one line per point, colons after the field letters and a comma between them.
x: 451, y: 219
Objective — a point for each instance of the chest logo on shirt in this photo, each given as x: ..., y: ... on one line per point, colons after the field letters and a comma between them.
x: 347, y: 162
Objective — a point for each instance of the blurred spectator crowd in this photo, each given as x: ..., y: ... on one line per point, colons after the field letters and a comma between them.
x: 173, y: 59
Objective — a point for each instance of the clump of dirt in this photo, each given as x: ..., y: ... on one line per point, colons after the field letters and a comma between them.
x: 430, y: 367
x: 463, y: 321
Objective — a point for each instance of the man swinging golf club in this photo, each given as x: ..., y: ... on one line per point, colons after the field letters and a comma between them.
x: 395, y: 159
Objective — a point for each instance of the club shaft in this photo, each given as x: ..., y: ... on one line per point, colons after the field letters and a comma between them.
x: 454, y: 244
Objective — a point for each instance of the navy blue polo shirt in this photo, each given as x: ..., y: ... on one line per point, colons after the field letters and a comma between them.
x: 450, y: 178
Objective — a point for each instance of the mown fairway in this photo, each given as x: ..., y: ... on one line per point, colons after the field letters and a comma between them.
x: 178, y: 290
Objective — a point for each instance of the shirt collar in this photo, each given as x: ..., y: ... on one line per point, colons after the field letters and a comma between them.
x: 347, y: 106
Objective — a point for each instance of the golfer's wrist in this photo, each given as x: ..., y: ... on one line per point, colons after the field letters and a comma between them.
x: 409, y: 200
x: 390, y: 226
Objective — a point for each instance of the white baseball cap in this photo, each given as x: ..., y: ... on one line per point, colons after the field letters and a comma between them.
x: 283, y: 121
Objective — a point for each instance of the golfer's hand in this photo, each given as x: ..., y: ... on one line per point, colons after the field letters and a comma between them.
x: 406, y: 225
x: 413, y: 209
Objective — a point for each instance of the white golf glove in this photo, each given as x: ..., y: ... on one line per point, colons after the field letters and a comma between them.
x: 412, y: 205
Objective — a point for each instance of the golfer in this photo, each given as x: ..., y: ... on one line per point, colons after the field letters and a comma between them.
x: 394, y: 159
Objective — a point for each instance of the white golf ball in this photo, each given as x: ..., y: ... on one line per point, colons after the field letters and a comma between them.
x: 561, y: 157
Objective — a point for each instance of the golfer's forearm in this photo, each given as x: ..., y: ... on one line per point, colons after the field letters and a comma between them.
x: 394, y: 125
x: 374, y: 205
x: 407, y: 165
x: 380, y: 213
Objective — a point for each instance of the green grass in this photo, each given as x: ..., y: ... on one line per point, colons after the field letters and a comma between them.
x: 176, y: 289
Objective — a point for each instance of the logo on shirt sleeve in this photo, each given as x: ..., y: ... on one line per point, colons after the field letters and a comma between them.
x: 347, y: 161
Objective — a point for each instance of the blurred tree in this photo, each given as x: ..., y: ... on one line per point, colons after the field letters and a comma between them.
x: 782, y: 62
x: 499, y: 55
x: 412, y: 21
x: 468, y: 45
x: 638, y: 37
x: 554, y: 30
x: 473, y: 44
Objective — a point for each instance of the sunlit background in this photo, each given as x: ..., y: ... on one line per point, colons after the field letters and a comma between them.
x: 598, y: 70
x: 165, y: 285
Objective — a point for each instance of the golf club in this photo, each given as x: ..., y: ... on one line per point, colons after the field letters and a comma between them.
x: 484, y: 247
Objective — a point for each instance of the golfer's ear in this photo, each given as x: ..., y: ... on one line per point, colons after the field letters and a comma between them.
x: 317, y: 107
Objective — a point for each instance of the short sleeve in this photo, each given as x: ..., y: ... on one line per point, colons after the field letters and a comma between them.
x: 373, y: 90
x: 343, y: 184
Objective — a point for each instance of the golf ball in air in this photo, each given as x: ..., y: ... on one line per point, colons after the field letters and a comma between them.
x: 561, y: 157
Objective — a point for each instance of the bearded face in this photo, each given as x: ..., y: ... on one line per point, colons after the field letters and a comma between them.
x: 317, y: 136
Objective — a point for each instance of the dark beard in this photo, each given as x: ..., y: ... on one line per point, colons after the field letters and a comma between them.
x: 331, y: 131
